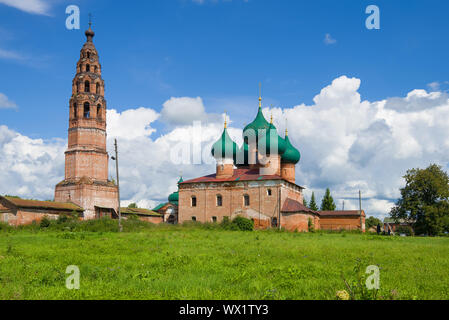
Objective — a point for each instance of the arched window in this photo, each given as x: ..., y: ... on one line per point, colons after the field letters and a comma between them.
x: 87, y: 67
x: 86, y: 86
x: 87, y: 110
x: 99, y: 111
x: 75, y: 111
x: 193, y: 201
x: 194, y: 219
x: 98, y: 88
x: 246, y: 200
x: 219, y: 201
x: 269, y: 193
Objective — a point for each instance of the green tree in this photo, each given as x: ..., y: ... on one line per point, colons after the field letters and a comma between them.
x: 133, y: 206
x: 328, y: 203
x: 372, y: 222
x: 425, y: 200
x: 305, y: 202
x: 313, y: 206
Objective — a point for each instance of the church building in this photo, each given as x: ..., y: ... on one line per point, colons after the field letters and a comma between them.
x: 256, y: 181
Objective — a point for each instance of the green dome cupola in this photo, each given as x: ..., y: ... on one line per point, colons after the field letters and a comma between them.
x: 273, y: 141
x: 174, y: 197
x: 225, y: 147
x: 242, y: 159
x: 291, y: 154
x: 260, y: 123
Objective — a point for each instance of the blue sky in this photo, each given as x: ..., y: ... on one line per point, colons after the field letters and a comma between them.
x: 362, y: 108
x: 219, y: 50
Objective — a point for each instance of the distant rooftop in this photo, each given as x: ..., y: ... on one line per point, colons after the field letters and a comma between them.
x: 293, y: 206
x: 239, y: 175
x: 35, y: 204
x: 341, y: 213
x: 139, y: 212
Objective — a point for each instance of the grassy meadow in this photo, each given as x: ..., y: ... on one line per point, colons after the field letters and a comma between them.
x: 206, y: 262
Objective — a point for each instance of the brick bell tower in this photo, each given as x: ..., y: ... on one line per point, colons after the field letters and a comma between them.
x: 86, y: 159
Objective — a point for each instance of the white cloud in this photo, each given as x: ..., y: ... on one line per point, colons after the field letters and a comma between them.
x: 328, y: 39
x: 5, y: 103
x: 434, y: 86
x: 10, y: 55
x: 347, y: 144
x: 185, y: 110
x: 147, y: 174
x: 131, y: 124
x: 30, y: 167
x: 30, y: 6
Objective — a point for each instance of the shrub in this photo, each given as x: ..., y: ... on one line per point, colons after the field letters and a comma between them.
x: 404, y: 230
x: 311, y: 226
x: 45, y: 223
x: 62, y: 219
x: 227, y: 224
x: 5, y: 227
x: 243, y: 224
x: 132, y: 217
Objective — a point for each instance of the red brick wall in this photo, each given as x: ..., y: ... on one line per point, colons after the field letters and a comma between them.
x: 233, y: 202
x: 296, y: 222
x: 28, y: 216
x: 88, y: 196
x: 341, y: 223
x: 262, y: 209
x: 155, y: 220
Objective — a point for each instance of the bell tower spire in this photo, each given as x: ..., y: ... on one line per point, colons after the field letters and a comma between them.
x: 89, y: 32
x: 86, y: 159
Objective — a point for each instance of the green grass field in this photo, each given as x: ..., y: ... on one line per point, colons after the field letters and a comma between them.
x: 195, y: 263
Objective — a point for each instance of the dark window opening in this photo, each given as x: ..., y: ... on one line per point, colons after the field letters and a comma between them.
x: 86, y: 86
x: 193, y: 201
x: 98, y: 88
x: 75, y: 111
x: 88, y: 55
x: 87, y: 110
x: 269, y: 192
x: 214, y: 219
x: 246, y: 199
x: 87, y: 67
x: 99, y: 111
x: 193, y: 218
x: 274, y: 222
x: 219, y: 201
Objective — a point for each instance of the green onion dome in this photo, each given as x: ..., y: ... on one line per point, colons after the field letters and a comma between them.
x: 260, y: 123
x: 272, y: 143
x: 242, y: 159
x: 174, y: 197
x: 260, y: 126
x: 291, y: 154
x: 225, y: 148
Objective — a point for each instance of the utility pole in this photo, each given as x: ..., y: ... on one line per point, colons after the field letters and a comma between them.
x: 360, y: 210
x: 279, y: 205
x: 118, y: 187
